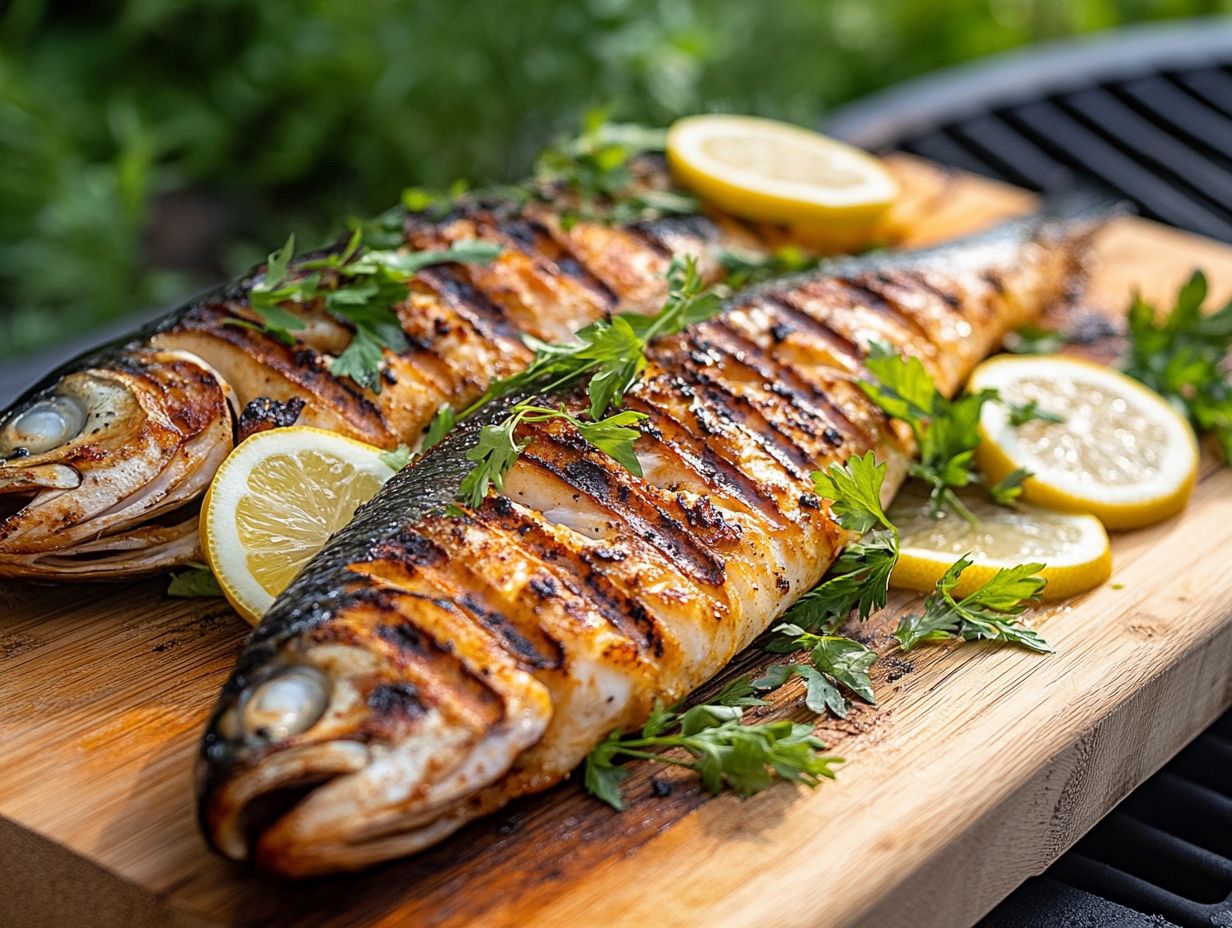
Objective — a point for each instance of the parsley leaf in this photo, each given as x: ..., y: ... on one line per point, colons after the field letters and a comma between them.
x: 196, y: 581
x: 860, y: 578
x: 1022, y: 413
x: 991, y: 611
x: 497, y: 449
x: 835, y: 661
x: 396, y: 459
x: 611, y: 352
x: 1184, y: 357
x: 946, y: 431
x: 745, y: 269
x: 440, y: 426
x: 1032, y: 339
x: 714, y: 741
x: 359, y: 285
x: 854, y: 491
x: 595, y: 166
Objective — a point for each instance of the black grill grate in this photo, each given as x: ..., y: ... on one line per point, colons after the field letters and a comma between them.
x: 1165, y: 852
x: 1154, y: 140
x: 1148, y: 114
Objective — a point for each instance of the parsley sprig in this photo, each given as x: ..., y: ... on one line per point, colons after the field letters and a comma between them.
x: 946, y: 431
x: 992, y: 611
x: 596, y: 167
x: 1184, y: 357
x: 834, y: 661
x: 714, y: 741
x: 610, y: 352
x: 860, y: 578
x: 744, y: 269
x: 195, y: 581
x: 359, y: 285
x: 498, y: 448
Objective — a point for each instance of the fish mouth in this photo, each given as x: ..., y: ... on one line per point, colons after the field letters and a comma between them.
x: 331, y: 758
x: 100, y: 469
x: 346, y: 805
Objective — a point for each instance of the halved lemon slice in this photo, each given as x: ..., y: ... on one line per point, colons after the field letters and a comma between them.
x: 830, y: 193
x: 275, y: 501
x: 1073, y: 548
x: 1122, y: 454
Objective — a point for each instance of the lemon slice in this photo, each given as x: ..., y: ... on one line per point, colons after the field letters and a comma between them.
x: 1073, y: 548
x: 1122, y: 454
x: 275, y: 501
x: 828, y: 192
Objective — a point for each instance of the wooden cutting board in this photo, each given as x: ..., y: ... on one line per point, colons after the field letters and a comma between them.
x: 980, y: 766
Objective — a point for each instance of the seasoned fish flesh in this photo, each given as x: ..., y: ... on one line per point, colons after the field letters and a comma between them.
x: 433, y: 662
x: 103, y: 464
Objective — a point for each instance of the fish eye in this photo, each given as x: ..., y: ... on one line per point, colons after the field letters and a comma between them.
x: 286, y: 704
x: 46, y: 424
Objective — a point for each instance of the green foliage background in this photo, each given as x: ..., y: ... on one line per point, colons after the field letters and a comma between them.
x: 149, y: 146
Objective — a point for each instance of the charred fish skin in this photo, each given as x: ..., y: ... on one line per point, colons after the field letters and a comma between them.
x: 474, y: 655
x: 464, y: 325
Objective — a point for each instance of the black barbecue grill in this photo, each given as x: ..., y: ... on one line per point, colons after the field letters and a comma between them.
x: 1148, y: 112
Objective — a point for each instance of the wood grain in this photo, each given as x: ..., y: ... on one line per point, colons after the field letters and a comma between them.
x: 979, y: 767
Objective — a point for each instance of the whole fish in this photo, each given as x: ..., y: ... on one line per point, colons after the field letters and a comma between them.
x: 103, y: 464
x: 435, y: 661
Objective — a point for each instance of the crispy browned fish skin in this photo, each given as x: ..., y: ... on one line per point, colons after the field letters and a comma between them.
x: 86, y: 514
x: 426, y: 668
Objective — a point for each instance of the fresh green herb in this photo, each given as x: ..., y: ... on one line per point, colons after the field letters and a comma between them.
x: 717, y: 744
x: 1022, y: 413
x: 397, y: 459
x: 498, y: 449
x: 595, y: 166
x: 611, y: 352
x: 946, y: 431
x: 1032, y: 339
x: 360, y: 285
x: 1007, y: 490
x: 196, y: 581
x: 440, y: 426
x: 745, y: 269
x: 1184, y: 357
x: 860, y: 578
x: 992, y: 611
x: 834, y: 661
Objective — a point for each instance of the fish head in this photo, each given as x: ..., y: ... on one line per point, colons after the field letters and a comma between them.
x: 100, y: 465
x: 361, y: 734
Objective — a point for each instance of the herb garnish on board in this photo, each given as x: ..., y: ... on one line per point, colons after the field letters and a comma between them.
x: 1184, y: 357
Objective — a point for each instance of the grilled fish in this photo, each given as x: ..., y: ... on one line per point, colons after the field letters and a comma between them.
x: 102, y: 465
x: 432, y: 663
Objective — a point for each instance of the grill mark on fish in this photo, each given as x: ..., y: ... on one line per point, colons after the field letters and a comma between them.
x: 299, y: 365
x: 640, y: 517
x: 951, y: 299
x: 570, y: 263
x: 542, y: 654
x: 580, y: 571
x: 784, y: 305
x: 873, y: 291
x: 651, y: 239
x: 488, y: 318
x: 397, y: 700
x: 444, y: 680
x: 738, y: 412
x: 759, y: 392
x: 698, y: 456
x: 805, y: 398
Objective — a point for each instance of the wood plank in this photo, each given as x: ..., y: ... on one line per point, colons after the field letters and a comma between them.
x: 980, y: 766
